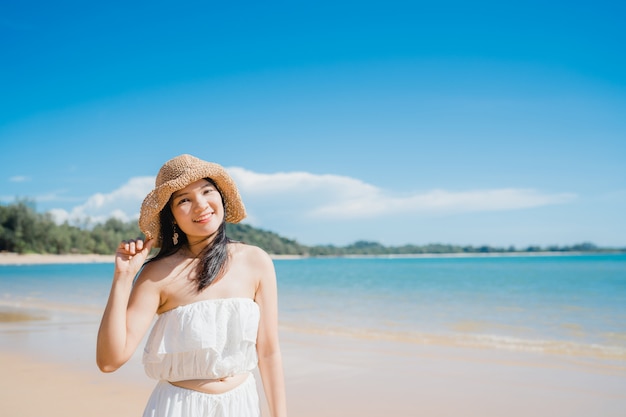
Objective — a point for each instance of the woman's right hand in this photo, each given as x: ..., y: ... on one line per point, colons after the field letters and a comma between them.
x: 131, y: 255
x: 123, y: 326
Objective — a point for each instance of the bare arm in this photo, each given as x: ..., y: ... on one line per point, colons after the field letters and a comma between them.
x: 268, y: 348
x: 129, y: 310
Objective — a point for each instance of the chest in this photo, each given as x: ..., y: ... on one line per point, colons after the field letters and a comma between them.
x: 181, y: 286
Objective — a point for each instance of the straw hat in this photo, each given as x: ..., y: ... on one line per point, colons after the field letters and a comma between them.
x: 175, y: 175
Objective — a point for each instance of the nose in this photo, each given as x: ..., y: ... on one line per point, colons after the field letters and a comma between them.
x: 201, y: 204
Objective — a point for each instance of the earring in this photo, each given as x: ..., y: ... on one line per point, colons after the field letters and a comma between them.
x: 175, y: 236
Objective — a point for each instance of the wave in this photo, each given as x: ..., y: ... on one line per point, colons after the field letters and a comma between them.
x: 29, y: 309
x: 478, y: 341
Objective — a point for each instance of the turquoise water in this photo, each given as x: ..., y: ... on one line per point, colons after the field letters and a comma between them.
x: 573, y: 305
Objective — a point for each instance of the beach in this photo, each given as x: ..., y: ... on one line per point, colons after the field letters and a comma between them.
x: 47, y: 357
x: 339, y: 377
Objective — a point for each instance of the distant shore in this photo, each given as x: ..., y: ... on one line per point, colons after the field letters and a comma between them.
x: 9, y: 258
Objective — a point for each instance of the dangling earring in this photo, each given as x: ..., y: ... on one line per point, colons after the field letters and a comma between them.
x: 175, y: 236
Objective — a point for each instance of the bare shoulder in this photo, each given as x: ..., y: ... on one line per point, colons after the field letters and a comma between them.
x: 251, y: 255
x: 259, y: 267
x: 158, y: 271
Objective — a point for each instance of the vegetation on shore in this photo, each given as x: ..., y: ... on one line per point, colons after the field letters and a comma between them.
x: 24, y: 230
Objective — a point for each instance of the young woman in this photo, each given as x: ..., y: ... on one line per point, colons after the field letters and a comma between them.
x: 216, y: 301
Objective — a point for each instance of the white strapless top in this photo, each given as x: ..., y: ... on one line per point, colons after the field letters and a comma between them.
x: 208, y: 339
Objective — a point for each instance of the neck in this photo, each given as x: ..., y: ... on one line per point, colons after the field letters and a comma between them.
x: 196, y: 247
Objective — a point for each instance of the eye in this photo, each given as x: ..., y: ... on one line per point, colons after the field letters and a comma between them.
x: 181, y: 201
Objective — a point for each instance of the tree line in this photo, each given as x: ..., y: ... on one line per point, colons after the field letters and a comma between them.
x: 24, y: 230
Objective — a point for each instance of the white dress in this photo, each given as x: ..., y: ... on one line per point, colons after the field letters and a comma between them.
x: 209, y: 339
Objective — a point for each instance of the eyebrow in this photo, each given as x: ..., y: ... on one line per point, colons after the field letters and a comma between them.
x: 181, y: 193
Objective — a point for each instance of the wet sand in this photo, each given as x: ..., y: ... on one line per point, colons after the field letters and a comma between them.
x: 49, y: 370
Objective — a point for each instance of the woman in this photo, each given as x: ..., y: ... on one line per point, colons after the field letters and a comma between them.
x: 216, y: 301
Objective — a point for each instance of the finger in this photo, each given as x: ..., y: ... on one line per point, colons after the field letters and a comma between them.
x: 124, y: 245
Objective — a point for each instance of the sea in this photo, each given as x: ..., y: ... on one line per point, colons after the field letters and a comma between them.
x: 567, y: 304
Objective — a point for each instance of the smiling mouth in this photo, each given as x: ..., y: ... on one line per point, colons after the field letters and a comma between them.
x: 203, y: 218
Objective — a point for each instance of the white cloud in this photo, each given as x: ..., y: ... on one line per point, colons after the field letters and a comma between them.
x: 19, y: 178
x: 340, y: 197
x: 122, y: 203
x: 440, y: 201
x: 304, y: 196
x: 253, y: 183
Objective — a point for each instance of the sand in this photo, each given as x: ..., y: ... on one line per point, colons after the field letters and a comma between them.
x: 8, y: 258
x: 32, y: 387
x: 339, y: 377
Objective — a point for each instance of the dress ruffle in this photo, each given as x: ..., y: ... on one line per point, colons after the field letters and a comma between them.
x: 208, y: 339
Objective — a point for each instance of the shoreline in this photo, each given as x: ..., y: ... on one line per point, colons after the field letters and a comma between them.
x: 352, y: 378
x: 10, y: 258
x: 41, y: 259
x: 20, y: 312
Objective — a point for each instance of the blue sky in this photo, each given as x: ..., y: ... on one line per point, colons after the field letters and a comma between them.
x: 399, y: 122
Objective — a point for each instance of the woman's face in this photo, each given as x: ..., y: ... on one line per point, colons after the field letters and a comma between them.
x: 198, y: 210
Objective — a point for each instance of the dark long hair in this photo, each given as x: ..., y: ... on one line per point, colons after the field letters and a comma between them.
x: 213, y: 258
